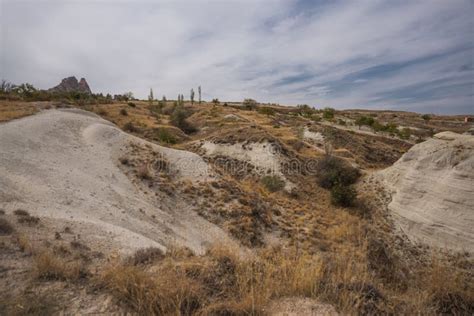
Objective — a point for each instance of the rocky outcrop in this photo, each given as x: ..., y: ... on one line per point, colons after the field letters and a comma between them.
x: 432, y: 188
x: 71, y: 84
x: 65, y: 165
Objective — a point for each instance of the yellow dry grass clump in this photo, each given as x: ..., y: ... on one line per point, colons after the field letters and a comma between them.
x: 223, y: 283
x: 51, y: 267
x: 218, y: 283
x: 12, y: 110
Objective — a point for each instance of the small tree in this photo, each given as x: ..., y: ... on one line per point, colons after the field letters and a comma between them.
x: 328, y: 113
x: 150, y: 97
x: 365, y: 120
x: 199, y: 91
x: 215, y: 101
x: 192, y: 96
x: 128, y: 96
x: 426, y: 117
x: 179, y: 119
x: 305, y: 110
x: 249, y: 104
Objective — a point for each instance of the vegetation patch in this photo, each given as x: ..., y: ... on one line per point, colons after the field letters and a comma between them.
x: 179, y: 119
x: 338, y: 176
x: 164, y: 135
x: 146, y: 256
x: 335, y: 171
x: 48, y: 266
x: 5, y: 227
x: 343, y: 195
x: 273, y: 183
x: 130, y: 127
x: 20, y: 212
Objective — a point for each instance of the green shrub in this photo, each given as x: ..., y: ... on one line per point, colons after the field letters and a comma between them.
x: 332, y: 171
x: 165, y: 136
x: 426, y: 117
x: 316, y: 118
x: 305, y: 110
x: 405, y: 133
x: 131, y: 104
x: 249, y: 104
x: 123, y: 112
x: 273, y: 183
x: 130, y: 127
x: 328, y: 113
x: 266, y: 111
x: 343, y: 195
x: 365, y: 120
x: 179, y: 119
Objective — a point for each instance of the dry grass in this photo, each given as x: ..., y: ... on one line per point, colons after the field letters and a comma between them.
x: 143, y: 172
x: 351, y: 270
x: 29, y: 303
x: 10, y: 110
x: 449, y: 291
x: 146, y: 256
x: 24, y: 244
x: 48, y: 266
x: 220, y: 282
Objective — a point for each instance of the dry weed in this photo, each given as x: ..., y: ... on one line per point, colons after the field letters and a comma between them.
x: 50, y: 267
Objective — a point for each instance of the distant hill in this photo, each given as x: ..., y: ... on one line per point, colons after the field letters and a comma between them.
x: 71, y: 84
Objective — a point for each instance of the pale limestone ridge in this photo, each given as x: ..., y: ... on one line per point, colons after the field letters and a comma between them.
x: 432, y: 188
x: 63, y: 165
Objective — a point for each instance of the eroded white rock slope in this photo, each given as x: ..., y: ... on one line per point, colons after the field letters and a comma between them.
x: 62, y: 165
x: 433, y: 191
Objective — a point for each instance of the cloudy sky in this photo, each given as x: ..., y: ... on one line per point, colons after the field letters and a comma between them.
x: 409, y: 55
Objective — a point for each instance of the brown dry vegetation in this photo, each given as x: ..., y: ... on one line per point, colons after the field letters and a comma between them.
x: 10, y: 110
x: 222, y: 283
x: 349, y: 257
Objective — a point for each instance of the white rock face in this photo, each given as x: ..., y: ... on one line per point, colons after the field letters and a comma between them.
x: 433, y: 191
x: 63, y: 167
x: 264, y: 156
x: 314, y: 136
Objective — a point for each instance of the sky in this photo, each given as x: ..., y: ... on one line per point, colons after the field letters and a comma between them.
x: 403, y: 55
